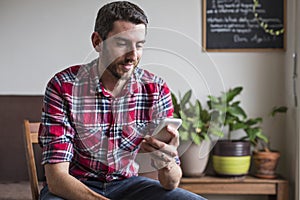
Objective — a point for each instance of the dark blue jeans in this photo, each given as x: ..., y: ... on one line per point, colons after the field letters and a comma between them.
x: 134, y: 188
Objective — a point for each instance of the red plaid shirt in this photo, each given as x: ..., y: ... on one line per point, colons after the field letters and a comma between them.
x: 97, y: 133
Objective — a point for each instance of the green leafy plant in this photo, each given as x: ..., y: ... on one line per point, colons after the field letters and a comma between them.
x: 195, y: 119
x: 228, y: 112
x: 266, y: 143
x: 199, y: 124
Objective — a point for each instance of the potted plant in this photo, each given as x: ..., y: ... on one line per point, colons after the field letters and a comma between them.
x: 232, y: 157
x: 194, y: 134
x: 265, y: 159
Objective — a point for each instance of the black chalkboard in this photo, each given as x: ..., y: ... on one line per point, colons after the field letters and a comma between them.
x: 249, y: 25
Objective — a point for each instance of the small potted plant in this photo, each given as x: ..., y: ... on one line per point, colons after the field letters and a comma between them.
x: 194, y: 134
x: 232, y: 157
x: 265, y: 159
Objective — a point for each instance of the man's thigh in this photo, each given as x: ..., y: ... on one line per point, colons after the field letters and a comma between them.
x: 136, y: 188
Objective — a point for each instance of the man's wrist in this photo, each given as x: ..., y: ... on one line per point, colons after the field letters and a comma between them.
x: 162, y: 165
x: 169, y: 166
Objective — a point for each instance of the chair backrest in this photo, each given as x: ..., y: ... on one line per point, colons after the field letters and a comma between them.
x: 31, y: 137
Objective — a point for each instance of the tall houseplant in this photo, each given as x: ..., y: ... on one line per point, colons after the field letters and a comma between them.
x: 194, y: 134
x: 232, y: 157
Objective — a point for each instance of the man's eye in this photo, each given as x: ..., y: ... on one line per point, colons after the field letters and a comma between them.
x: 140, y: 45
x: 121, y: 44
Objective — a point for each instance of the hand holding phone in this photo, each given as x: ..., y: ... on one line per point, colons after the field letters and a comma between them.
x: 163, y: 135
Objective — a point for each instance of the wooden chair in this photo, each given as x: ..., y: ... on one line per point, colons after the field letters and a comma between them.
x: 31, y: 137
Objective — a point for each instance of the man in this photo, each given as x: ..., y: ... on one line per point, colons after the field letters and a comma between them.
x: 97, y: 117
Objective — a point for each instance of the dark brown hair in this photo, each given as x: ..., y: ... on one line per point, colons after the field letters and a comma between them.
x: 119, y: 10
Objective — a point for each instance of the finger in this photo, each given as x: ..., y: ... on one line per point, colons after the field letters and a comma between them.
x: 172, y: 131
x: 170, y: 150
x: 165, y: 154
x: 143, y: 147
x: 175, y: 136
x: 147, y: 147
x: 152, y: 144
x: 155, y: 143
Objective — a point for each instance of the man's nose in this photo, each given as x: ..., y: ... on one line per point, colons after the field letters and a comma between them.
x: 132, y: 54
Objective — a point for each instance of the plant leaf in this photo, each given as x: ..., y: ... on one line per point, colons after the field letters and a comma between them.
x: 253, y: 133
x: 186, y: 98
x: 238, y: 125
x: 281, y: 109
x: 175, y: 105
x: 235, y: 103
x: 237, y: 111
x: 263, y: 137
x: 251, y: 121
x: 204, y: 116
x: 232, y: 93
x: 212, y: 100
x: 216, y: 131
x: 196, y: 139
x: 184, y: 135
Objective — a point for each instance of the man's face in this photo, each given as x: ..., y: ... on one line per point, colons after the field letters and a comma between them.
x: 123, y: 48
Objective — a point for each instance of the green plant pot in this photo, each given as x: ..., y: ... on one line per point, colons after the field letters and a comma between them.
x: 231, y: 158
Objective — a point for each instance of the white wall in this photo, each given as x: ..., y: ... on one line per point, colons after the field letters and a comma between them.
x: 38, y: 38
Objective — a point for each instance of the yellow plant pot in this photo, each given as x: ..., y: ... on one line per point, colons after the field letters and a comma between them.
x: 231, y: 165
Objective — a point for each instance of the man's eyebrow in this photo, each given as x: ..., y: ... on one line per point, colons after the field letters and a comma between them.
x: 127, y: 40
x: 121, y: 38
x: 142, y: 41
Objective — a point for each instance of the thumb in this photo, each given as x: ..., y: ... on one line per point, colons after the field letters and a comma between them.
x: 175, y: 136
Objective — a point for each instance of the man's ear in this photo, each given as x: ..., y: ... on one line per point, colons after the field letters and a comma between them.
x: 96, y: 41
x: 98, y: 48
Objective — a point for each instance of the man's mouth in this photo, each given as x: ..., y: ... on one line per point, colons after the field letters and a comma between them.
x: 127, y: 67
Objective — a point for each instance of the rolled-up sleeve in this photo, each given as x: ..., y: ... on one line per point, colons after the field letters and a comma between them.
x: 55, y: 132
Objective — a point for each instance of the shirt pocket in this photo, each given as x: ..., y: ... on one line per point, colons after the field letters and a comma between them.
x: 132, y: 135
x: 90, y: 140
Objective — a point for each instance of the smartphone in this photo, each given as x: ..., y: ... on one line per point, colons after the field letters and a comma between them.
x: 162, y: 135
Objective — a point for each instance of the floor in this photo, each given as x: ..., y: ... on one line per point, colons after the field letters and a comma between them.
x: 15, y: 191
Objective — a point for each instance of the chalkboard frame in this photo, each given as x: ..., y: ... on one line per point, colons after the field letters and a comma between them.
x: 242, y: 49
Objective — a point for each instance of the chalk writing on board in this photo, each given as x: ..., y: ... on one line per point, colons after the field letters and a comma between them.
x: 234, y: 24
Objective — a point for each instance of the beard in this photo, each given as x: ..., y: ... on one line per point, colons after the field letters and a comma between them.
x: 118, y: 70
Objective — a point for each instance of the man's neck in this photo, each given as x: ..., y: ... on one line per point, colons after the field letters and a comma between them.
x: 112, y: 84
